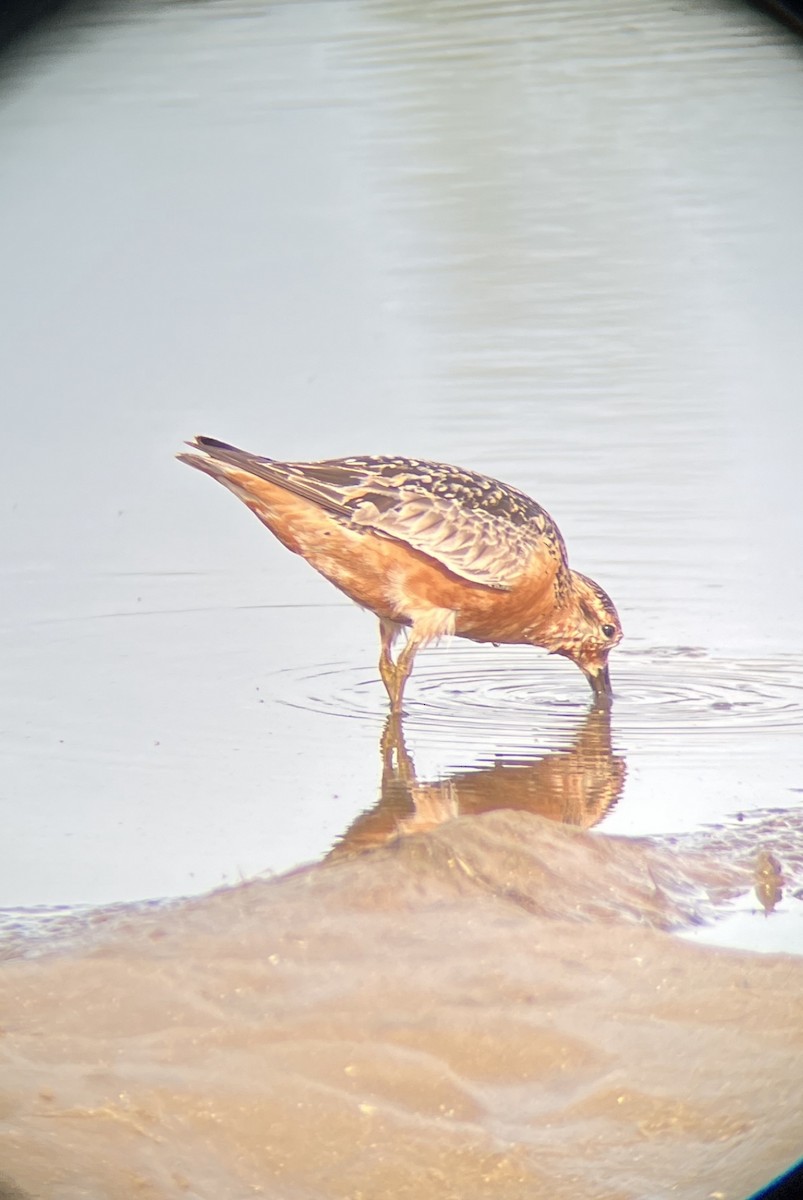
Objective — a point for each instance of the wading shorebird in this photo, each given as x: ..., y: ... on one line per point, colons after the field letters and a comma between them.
x: 430, y: 548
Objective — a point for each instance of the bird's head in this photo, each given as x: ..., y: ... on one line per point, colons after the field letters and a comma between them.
x: 589, y: 630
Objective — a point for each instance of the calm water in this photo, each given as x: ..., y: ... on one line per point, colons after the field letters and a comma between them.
x: 557, y: 243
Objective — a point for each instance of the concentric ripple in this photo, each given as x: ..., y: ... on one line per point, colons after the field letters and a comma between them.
x: 659, y: 694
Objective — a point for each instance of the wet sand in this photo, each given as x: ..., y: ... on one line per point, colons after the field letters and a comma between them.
x: 495, y: 1007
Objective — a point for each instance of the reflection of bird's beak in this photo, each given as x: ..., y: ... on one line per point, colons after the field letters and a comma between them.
x: 600, y: 681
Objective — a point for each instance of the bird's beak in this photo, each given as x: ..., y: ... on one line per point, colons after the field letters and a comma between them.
x: 600, y: 681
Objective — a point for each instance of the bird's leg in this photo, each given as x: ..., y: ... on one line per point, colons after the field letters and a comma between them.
x: 404, y: 665
x: 394, y: 675
x: 387, y: 667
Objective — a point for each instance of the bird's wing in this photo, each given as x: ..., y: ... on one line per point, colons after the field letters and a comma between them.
x: 479, y: 529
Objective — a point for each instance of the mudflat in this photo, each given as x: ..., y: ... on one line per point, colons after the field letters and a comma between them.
x: 496, y: 1007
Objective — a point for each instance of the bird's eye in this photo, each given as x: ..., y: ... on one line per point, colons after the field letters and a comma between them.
x: 609, y: 630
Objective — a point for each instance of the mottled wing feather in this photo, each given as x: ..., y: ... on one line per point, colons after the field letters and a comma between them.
x: 480, y: 529
x: 476, y: 548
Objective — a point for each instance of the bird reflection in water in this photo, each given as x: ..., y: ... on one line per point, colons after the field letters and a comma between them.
x: 577, y: 786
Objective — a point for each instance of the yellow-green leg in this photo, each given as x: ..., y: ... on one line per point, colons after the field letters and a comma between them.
x: 395, y: 675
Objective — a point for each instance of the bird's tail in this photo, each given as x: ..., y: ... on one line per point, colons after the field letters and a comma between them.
x: 215, y: 457
x: 240, y: 472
